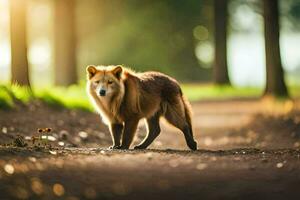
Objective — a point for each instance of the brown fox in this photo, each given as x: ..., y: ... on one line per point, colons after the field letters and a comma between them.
x: 123, y: 97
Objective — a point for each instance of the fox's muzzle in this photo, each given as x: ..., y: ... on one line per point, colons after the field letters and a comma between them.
x: 102, y: 92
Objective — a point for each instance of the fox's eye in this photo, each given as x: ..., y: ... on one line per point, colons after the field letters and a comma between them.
x: 97, y: 82
x: 110, y: 82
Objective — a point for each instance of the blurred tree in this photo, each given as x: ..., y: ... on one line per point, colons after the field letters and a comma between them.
x: 275, y: 84
x: 19, y: 62
x: 290, y: 15
x: 184, y: 17
x: 146, y: 35
x: 65, y: 43
x: 220, y: 21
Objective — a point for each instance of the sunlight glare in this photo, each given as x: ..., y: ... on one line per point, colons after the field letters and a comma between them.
x: 205, y: 52
x: 40, y: 53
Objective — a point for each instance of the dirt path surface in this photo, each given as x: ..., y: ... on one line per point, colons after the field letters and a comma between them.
x: 248, y: 150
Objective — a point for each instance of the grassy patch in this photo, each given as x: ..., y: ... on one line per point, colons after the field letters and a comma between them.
x: 294, y: 91
x: 6, y: 100
x: 10, y: 94
x: 196, y: 92
x: 73, y: 97
x: 23, y: 94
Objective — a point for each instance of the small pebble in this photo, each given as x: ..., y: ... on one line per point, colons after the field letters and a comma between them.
x: 8, y: 168
x: 279, y: 165
x: 4, y: 130
x: 53, y: 152
x: 58, y: 189
x: 60, y: 143
x: 296, y: 144
x: 83, y: 134
x: 102, y: 152
x: 32, y: 159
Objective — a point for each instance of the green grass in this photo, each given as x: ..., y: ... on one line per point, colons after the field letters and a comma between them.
x: 23, y: 94
x: 196, y: 92
x: 294, y: 91
x: 6, y: 100
x: 74, y: 97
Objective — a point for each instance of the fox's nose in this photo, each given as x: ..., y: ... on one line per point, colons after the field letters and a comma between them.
x: 102, y: 92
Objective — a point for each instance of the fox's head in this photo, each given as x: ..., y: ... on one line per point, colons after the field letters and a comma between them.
x: 105, y: 81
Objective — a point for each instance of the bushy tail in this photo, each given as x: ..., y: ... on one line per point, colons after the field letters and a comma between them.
x: 187, y: 112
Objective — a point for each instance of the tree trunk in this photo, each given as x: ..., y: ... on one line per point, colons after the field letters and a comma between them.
x: 220, y: 64
x: 65, y: 43
x: 275, y: 84
x: 19, y: 62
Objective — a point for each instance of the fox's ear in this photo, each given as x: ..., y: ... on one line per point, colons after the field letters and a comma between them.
x: 91, y: 71
x: 117, y: 71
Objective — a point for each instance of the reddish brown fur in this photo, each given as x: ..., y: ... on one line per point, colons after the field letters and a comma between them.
x: 148, y: 95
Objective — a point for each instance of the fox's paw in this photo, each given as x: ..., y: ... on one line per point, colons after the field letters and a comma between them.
x: 114, y: 147
x: 139, y: 147
x: 123, y: 147
x: 193, y: 145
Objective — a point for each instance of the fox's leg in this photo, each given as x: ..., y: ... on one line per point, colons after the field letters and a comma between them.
x: 175, y: 115
x: 153, y: 132
x: 129, y: 132
x: 116, y: 132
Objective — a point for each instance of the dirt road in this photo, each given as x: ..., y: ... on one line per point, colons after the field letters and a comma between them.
x: 246, y: 152
x: 152, y: 174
